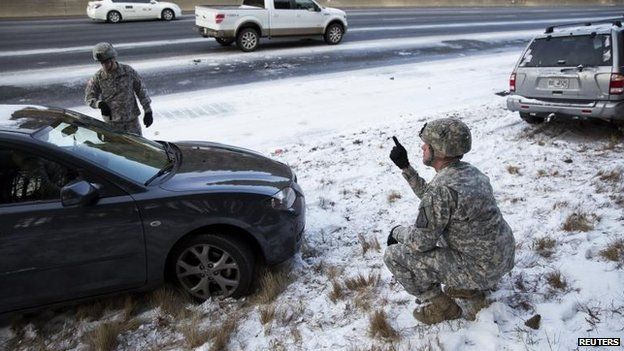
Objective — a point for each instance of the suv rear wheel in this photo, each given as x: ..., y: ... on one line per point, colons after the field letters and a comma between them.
x: 531, y: 119
x: 247, y: 39
x: 209, y: 265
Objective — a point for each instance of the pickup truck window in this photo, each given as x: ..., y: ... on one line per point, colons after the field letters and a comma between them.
x: 254, y: 3
x: 282, y: 5
x: 305, y: 5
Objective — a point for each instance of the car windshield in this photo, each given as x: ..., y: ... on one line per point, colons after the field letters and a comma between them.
x: 586, y: 50
x: 130, y: 156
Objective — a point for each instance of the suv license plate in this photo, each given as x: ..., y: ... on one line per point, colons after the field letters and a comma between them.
x: 558, y: 83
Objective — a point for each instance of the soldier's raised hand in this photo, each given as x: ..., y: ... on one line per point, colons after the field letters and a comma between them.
x: 398, y: 155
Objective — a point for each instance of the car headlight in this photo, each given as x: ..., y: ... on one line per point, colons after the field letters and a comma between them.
x: 284, y: 199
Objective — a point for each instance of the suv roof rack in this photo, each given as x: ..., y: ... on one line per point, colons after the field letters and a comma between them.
x: 614, y: 21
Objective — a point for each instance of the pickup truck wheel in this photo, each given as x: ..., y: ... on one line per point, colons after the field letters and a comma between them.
x: 113, y: 17
x: 225, y: 41
x: 167, y: 15
x: 213, y: 265
x: 247, y: 39
x: 527, y: 117
x: 333, y: 34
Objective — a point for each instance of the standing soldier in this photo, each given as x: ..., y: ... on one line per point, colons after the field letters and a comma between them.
x: 459, y: 238
x: 112, y: 89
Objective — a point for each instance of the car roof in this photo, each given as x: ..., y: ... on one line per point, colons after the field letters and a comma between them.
x: 581, y: 29
x: 28, y: 118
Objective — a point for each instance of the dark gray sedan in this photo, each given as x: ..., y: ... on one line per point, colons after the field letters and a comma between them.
x: 86, y: 211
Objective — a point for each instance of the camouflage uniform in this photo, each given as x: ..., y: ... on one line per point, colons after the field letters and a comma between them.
x: 118, y: 89
x: 460, y: 238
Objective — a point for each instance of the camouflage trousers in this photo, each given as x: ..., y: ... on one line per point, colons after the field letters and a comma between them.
x: 421, y: 273
x: 133, y: 127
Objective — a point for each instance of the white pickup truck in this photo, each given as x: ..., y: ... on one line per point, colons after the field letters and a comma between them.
x: 254, y: 19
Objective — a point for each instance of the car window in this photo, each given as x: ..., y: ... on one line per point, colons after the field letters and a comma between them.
x: 25, y: 177
x: 586, y: 50
x: 304, y: 4
x: 130, y: 156
x: 282, y: 4
x: 254, y: 3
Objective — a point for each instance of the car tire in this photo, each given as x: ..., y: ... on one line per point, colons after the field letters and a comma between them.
x: 113, y: 17
x: 225, y: 41
x: 167, y: 15
x: 247, y: 39
x: 333, y: 34
x: 213, y: 265
x: 527, y: 117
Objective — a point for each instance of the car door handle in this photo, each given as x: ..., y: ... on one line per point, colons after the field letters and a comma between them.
x: 128, y: 7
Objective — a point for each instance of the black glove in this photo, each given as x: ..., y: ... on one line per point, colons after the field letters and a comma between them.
x: 148, y: 119
x: 103, y: 106
x: 398, y: 155
x: 391, y: 239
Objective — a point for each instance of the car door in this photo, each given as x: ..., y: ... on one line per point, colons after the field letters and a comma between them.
x: 308, y: 17
x: 283, y: 18
x: 51, y: 253
x: 126, y: 8
x: 144, y: 9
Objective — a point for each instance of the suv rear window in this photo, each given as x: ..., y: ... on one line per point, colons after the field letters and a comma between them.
x: 586, y: 50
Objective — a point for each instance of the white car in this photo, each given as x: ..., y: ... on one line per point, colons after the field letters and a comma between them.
x: 114, y: 11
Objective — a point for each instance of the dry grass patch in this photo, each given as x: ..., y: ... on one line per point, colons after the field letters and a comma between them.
x: 272, y: 284
x: 194, y: 336
x: 612, y: 176
x: 105, y: 336
x: 393, y: 197
x: 614, y: 251
x: 513, y: 170
x: 369, y: 244
x: 544, y: 246
x: 380, y: 327
x: 361, y: 282
x: 221, y: 335
x: 171, y: 301
x: 332, y: 272
x: 578, y: 222
x: 337, y: 292
x: 267, y: 314
x: 556, y: 280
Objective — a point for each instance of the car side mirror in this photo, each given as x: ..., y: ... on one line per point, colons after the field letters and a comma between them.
x: 153, y: 2
x: 79, y: 193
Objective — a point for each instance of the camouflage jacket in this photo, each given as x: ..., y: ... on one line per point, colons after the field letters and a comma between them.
x: 118, y: 89
x: 458, y: 211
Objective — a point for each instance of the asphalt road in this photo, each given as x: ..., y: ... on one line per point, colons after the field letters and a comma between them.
x: 28, y: 47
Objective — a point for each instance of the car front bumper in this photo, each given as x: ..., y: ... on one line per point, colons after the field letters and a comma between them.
x: 285, y: 237
x: 612, y: 110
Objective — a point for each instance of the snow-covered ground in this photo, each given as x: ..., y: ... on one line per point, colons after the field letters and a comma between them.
x: 558, y: 185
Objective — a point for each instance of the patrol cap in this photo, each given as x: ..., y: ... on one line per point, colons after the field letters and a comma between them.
x: 449, y: 137
x: 104, y: 51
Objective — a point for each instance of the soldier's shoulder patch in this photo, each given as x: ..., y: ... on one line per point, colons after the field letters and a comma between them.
x: 422, y: 221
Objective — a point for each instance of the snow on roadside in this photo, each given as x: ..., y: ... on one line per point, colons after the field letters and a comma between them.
x: 335, y: 130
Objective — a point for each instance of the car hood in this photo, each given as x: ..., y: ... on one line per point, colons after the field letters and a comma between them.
x: 335, y: 11
x: 213, y: 166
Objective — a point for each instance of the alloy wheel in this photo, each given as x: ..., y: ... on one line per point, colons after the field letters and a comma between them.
x: 167, y: 15
x: 335, y: 34
x: 206, y: 270
x: 249, y: 40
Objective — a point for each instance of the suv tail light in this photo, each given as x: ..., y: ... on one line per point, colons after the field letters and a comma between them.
x: 219, y: 18
x: 616, y: 86
x: 512, y: 82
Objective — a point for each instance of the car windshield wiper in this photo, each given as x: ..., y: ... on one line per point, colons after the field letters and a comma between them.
x: 579, y: 68
x: 172, y: 159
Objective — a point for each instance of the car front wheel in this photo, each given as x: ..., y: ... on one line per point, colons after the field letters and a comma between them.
x: 531, y: 119
x: 213, y: 265
x: 167, y: 15
x: 113, y: 17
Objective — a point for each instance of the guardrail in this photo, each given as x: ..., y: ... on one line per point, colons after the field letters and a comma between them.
x: 45, y: 8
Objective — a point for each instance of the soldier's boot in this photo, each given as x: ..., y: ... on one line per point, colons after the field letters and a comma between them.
x: 438, y: 309
x: 472, y: 301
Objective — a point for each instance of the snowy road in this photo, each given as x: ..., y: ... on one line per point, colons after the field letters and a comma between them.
x: 49, y: 61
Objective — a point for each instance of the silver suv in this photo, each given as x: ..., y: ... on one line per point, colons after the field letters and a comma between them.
x: 576, y: 71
